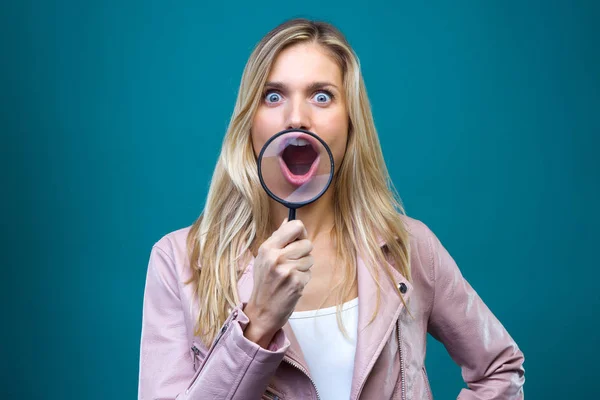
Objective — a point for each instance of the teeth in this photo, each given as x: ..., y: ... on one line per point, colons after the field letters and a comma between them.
x: 299, y: 142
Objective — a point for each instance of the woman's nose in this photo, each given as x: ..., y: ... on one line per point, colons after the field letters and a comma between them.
x: 298, y: 116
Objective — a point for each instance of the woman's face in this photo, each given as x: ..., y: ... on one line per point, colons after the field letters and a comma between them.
x: 304, y: 90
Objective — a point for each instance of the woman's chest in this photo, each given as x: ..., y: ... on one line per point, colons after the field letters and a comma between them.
x: 329, y: 275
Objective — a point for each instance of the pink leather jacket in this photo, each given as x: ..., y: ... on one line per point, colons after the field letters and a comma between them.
x: 390, y: 353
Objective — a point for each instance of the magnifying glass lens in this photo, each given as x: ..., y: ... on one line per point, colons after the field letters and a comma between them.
x: 296, y: 167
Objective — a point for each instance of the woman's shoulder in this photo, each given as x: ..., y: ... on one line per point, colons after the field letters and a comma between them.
x: 174, y: 238
x: 173, y: 246
x: 418, y: 231
x: 422, y: 248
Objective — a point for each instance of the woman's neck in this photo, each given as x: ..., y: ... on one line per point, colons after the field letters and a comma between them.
x: 317, y: 217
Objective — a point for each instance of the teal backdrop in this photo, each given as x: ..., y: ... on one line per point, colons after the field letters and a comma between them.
x: 112, y: 117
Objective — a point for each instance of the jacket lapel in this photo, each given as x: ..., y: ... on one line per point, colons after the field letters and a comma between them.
x: 373, y: 337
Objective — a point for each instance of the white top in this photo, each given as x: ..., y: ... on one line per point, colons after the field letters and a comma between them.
x: 329, y: 355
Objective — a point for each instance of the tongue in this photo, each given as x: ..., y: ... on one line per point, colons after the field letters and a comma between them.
x: 299, y: 159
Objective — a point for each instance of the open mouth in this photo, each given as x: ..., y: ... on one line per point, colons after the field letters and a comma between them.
x: 299, y: 158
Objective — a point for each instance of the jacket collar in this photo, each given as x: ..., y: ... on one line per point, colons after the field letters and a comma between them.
x: 371, y: 337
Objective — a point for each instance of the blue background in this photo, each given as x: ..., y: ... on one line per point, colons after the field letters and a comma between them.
x: 112, y: 117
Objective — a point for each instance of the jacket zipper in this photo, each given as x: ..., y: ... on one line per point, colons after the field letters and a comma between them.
x: 298, y: 366
x: 196, y: 354
x: 271, y: 395
x: 401, y: 363
x: 221, y: 332
x: 214, y: 345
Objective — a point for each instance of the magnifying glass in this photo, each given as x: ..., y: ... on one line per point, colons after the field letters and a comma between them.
x: 295, y: 168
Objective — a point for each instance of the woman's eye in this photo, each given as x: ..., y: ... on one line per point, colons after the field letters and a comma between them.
x: 323, y: 97
x: 273, y: 97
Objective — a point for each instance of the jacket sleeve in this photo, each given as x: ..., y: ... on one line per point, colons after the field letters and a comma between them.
x: 233, y: 368
x: 490, y: 360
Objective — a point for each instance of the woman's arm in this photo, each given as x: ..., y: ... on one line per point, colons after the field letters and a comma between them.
x: 491, y: 362
x: 234, y: 368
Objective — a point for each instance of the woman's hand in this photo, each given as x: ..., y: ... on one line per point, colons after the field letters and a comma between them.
x: 281, y: 271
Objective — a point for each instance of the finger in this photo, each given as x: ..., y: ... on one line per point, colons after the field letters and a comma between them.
x: 304, y: 264
x: 289, y: 232
x: 304, y: 277
x: 273, y: 241
x: 298, y: 249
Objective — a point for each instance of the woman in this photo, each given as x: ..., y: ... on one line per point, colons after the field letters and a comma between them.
x: 240, y: 305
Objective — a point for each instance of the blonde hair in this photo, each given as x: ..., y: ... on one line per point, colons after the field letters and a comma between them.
x: 237, y: 218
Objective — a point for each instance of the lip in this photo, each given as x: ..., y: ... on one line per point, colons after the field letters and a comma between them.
x: 299, y: 180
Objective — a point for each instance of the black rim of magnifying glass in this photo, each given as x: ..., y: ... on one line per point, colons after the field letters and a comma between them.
x: 280, y: 200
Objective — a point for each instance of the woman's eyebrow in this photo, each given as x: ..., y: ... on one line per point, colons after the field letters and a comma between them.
x: 320, y: 85
x: 310, y: 88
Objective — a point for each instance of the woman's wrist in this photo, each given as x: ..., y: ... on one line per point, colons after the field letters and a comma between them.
x: 258, y: 336
x: 254, y: 332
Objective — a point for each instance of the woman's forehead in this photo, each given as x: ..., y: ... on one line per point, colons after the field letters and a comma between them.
x: 305, y: 63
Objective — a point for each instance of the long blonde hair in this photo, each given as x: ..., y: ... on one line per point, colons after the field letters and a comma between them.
x: 237, y: 218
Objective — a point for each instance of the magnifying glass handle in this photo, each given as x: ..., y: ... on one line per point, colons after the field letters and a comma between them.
x: 292, y: 214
